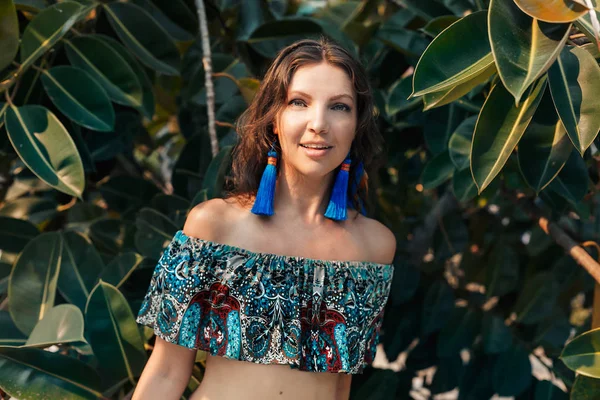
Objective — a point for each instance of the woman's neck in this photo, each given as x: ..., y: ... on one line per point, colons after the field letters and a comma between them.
x: 300, y: 199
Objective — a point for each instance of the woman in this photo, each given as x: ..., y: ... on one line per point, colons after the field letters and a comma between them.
x: 282, y: 283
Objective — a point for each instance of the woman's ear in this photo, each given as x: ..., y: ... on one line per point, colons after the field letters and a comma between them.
x: 275, y: 124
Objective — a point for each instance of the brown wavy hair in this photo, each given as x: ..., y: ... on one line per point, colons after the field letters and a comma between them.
x: 255, y: 125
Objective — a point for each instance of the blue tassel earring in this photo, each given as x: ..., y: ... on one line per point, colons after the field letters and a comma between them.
x: 337, y: 203
x: 263, y: 204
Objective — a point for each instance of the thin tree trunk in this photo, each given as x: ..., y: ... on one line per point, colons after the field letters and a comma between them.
x: 210, y: 90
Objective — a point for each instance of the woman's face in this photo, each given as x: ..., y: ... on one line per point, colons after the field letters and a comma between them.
x: 320, y: 109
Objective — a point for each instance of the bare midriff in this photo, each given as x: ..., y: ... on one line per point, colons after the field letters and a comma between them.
x: 227, y: 379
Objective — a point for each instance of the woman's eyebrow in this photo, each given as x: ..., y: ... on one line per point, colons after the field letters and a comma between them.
x: 338, y: 96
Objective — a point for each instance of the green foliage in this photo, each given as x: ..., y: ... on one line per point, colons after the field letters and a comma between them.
x: 490, y: 114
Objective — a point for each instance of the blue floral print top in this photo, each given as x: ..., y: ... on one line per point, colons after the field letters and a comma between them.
x: 313, y: 315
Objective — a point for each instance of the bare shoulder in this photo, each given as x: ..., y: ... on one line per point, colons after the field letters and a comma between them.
x: 208, y: 220
x: 380, y: 240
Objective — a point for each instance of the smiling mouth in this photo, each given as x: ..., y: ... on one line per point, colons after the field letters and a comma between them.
x: 316, y: 148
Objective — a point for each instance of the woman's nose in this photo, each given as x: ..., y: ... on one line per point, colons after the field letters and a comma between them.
x: 318, y: 120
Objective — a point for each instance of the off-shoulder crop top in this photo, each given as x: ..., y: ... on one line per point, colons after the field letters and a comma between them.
x: 313, y: 315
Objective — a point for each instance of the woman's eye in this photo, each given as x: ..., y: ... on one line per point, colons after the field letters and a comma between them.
x: 297, y: 102
x: 341, y: 107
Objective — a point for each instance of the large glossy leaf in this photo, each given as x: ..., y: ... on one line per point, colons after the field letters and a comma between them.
x: 536, y: 300
x: 463, y: 185
x: 349, y: 18
x: 173, y: 206
x: 10, y: 335
x: 120, y: 268
x: 248, y: 88
x: 32, y: 374
x: 112, y: 235
x: 405, y: 281
x: 476, y: 382
x: 547, y: 390
x: 499, y: 128
x: 497, y: 337
x: 32, y: 285
x: 3, y: 108
x: 575, y: 83
x: 582, y: 354
x: 446, y: 96
x: 445, y: 64
x: 502, y: 270
x: 33, y: 6
x: 77, y: 95
x: 154, y: 232
x: 9, y: 33
x: 552, y: 10
x: 405, y: 41
x: 80, y: 269
x: 530, y: 49
x: 544, y: 147
x: 438, y: 126
x: 459, y: 145
x: 46, y: 29
x: 35, y: 210
x: 176, y: 32
x: 114, y: 335
x: 147, y: 91
x: 345, y: 38
x: 437, y: 171
x: 128, y: 126
x: 46, y: 147
x: 144, y: 37
x: 61, y: 324
x: 342, y: 14
x: 251, y: 16
x: 572, y: 181
x: 586, y: 26
x: 437, y: 25
x: 397, y: 99
x: 585, y: 388
x: 215, y: 174
x: 438, y: 304
x: 459, y: 333
x: 123, y: 193
x: 107, y: 66
x: 447, y: 375
x: 512, y: 372
x: 179, y: 12
x: 271, y: 37
x: 450, y: 237
x: 554, y: 331
x: 14, y: 235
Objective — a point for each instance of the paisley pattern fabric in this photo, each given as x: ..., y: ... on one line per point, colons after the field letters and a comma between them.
x: 313, y: 315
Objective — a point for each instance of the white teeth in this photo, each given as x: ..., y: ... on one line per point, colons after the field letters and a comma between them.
x: 310, y: 146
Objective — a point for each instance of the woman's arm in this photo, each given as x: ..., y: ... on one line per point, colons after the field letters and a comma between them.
x: 170, y: 366
x: 343, y: 387
x: 167, y: 372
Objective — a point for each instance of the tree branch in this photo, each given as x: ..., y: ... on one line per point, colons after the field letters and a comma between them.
x: 578, y: 253
x: 210, y: 90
